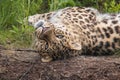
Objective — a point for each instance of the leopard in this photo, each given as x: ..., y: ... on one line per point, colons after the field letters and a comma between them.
x: 74, y: 31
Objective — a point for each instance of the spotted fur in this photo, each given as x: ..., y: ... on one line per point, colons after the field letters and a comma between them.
x: 74, y: 31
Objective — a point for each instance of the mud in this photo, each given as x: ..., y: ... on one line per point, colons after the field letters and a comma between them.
x: 26, y: 65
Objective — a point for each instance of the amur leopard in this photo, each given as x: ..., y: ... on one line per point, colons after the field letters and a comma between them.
x: 73, y: 31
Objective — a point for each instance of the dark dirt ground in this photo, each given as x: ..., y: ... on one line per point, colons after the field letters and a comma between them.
x: 26, y: 65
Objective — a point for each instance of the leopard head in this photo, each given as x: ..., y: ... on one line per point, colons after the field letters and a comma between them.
x: 56, y: 38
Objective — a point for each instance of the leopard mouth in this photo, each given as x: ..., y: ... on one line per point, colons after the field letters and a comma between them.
x: 46, y: 45
x: 45, y: 29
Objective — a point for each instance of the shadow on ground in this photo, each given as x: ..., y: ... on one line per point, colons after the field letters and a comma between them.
x: 26, y: 65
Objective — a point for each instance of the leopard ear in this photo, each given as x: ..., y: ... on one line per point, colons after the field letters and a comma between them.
x: 75, y: 46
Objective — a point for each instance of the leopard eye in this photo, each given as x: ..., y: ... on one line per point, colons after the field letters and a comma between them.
x: 60, y: 36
